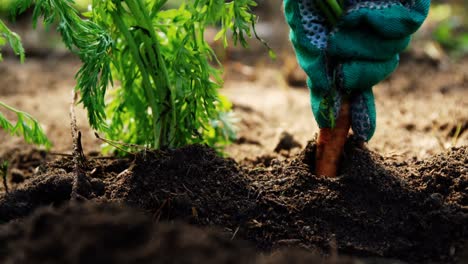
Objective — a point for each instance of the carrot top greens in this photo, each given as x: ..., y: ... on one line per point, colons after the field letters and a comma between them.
x: 25, y: 125
x: 148, y: 75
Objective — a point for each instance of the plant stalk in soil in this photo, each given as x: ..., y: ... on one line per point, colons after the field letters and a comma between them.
x: 4, y: 173
x: 331, y: 142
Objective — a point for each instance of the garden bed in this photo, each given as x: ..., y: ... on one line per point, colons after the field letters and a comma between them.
x: 404, y: 197
x: 413, y: 211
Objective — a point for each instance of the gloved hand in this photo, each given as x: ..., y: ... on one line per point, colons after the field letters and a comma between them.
x: 347, y: 59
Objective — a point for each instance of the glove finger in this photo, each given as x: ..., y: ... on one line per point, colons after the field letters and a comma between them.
x: 355, y: 76
x: 309, y: 29
x: 308, y: 35
x: 363, y: 115
x: 360, y: 44
x: 388, y: 19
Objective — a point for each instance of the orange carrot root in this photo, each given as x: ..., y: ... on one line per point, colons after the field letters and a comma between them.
x: 331, y: 142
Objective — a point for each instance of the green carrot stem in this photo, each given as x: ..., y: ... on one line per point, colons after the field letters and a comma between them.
x: 330, y: 16
x: 335, y: 7
x: 341, y: 3
x: 120, y: 24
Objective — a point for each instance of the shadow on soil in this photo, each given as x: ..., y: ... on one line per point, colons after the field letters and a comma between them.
x: 413, y: 211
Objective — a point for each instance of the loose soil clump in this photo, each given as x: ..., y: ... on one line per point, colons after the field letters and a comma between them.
x: 414, y: 211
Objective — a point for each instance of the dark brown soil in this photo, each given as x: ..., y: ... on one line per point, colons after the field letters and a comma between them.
x: 376, y: 207
x: 107, y: 233
x: 414, y: 211
x: 104, y: 233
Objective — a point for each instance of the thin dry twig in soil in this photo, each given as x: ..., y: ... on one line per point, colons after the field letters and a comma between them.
x: 4, y: 172
x: 80, y: 182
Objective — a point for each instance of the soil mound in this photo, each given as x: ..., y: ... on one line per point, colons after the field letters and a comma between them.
x: 193, y: 184
x: 376, y: 207
x: 414, y: 211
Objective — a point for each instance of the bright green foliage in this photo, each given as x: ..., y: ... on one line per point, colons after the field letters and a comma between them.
x: 25, y: 124
x: 450, y: 34
x: 6, y: 35
x: 451, y: 30
x: 89, y: 41
x: 168, y: 95
x: 165, y: 92
x: 5, y: 5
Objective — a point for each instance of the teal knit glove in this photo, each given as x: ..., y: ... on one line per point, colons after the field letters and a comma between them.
x: 347, y: 60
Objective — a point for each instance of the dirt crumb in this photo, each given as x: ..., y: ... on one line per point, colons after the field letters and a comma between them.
x: 286, y: 142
